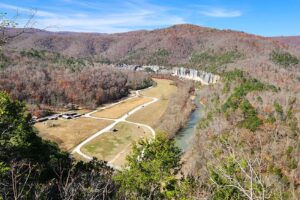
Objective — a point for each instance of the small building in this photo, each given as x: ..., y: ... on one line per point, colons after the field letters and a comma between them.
x: 76, y: 116
x: 53, y: 117
x: 41, y: 119
x: 70, y: 115
x: 65, y: 116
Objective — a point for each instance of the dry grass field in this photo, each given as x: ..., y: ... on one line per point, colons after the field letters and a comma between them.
x: 121, y: 109
x: 117, y: 144
x: 163, y: 90
x: 69, y: 133
x: 82, y: 111
x: 151, y: 114
x: 111, y: 145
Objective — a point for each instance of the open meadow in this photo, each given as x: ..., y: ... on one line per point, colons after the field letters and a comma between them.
x: 69, y: 133
x: 115, y: 145
x: 121, y: 109
x: 152, y: 113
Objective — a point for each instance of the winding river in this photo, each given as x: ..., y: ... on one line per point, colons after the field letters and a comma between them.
x: 185, y: 135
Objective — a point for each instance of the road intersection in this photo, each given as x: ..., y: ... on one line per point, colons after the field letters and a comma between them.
x: 108, y: 128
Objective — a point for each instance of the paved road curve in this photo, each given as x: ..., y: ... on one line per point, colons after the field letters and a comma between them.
x: 123, y: 118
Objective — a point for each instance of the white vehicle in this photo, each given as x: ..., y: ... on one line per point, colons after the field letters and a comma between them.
x: 54, y: 117
x: 66, y: 117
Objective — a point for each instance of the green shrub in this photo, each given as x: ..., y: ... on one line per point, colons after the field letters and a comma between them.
x: 135, y: 54
x: 212, y: 62
x: 203, y: 123
x: 233, y: 75
x: 289, y: 150
x: 152, y: 171
x: 284, y: 59
x: 54, y: 57
x: 102, y: 60
x: 278, y: 108
x: 3, y: 60
x: 162, y: 53
x: 237, y: 100
x: 251, y: 122
x: 293, y: 124
x: 290, y: 113
x: 277, y: 171
x: 210, y: 116
x: 271, y: 119
x: 259, y: 99
x: 159, y: 57
x: 226, y: 87
x: 247, y: 85
x: 229, y: 180
x: 292, y: 163
x: 148, y: 69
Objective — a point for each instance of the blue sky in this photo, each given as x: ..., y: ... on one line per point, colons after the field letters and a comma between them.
x: 262, y: 17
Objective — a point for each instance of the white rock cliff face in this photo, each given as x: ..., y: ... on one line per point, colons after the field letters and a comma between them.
x: 185, y: 73
x: 196, y: 75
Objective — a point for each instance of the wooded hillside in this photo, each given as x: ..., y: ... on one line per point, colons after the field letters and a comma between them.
x: 40, y: 77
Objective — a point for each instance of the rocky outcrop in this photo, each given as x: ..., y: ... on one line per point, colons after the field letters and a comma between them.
x: 196, y: 75
x: 181, y: 72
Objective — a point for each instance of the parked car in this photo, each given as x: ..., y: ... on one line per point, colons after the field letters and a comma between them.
x: 78, y: 115
x: 66, y: 116
x: 54, y: 117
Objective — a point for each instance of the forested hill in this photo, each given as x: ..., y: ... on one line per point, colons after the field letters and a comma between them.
x: 293, y: 41
x: 246, y: 145
x: 180, y: 45
x: 170, y: 46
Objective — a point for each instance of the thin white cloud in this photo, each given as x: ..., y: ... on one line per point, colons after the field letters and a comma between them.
x: 220, y: 12
x: 36, y: 12
x: 128, y: 16
x: 108, y: 24
x: 113, y: 16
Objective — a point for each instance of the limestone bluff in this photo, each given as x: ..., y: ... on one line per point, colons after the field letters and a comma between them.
x: 205, y: 78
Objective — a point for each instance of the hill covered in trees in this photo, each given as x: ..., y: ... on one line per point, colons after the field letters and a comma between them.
x: 180, y: 45
x: 249, y: 134
x: 170, y: 46
x: 247, y: 144
x: 293, y: 41
x: 50, y: 79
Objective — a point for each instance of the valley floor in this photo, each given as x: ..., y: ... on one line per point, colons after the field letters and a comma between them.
x: 108, y: 132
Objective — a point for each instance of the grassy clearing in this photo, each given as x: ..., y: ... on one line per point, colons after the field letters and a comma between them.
x: 83, y: 111
x: 151, y: 114
x: 69, y: 133
x: 111, y: 144
x: 163, y: 90
x: 122, y: 108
